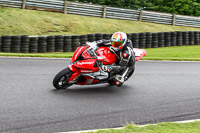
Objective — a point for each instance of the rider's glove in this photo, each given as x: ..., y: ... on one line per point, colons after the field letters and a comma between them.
x: 106, y: 68
x: 91, y: 44
x: 103, y: 42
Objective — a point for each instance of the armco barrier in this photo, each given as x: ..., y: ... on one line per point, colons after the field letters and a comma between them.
x: 69, y: 43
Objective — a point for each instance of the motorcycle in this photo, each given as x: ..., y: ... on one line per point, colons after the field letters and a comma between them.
x: 85, y: 67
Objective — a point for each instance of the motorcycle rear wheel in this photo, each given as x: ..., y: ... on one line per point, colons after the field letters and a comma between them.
x: 60, y: 81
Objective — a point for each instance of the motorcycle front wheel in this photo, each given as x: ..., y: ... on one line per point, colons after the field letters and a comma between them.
x: 61, y: 80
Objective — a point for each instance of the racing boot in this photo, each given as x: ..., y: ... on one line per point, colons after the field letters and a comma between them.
x: 119, y: 80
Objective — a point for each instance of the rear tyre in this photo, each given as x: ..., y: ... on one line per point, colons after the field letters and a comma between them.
x: 61, y: 79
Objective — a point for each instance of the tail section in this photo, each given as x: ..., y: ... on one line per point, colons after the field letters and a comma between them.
x: 139, y: 53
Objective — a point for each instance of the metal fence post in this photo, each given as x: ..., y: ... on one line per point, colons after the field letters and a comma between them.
x: 104, y: 11
x: 140, y: 17
x: 65, y: 7
x: 174, y: 19
x: 23, y: 4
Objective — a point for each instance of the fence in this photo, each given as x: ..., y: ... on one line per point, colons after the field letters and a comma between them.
x: 61, y: 43
x: 65, y: 6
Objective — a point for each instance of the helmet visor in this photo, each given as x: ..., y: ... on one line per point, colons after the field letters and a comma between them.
x: 116, y: 44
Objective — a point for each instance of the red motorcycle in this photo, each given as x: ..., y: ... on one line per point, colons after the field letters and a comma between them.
x: 85, y: 68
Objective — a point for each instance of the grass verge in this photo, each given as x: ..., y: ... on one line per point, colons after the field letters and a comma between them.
x: 191, y: 127
x: 47, y: 55
x: 178, y: 53
x: 31, y: 22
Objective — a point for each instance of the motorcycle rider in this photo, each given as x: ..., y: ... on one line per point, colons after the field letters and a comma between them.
x: 123, y: 49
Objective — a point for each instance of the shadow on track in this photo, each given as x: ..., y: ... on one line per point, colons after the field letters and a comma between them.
x: 92, y: 90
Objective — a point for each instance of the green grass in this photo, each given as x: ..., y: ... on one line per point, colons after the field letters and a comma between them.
x: 47, y: 55
x: 178, y: 53
x: 31, y: 22
x: 193, y: 127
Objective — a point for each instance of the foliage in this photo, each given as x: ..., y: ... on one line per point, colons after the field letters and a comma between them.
x: 182, y: 7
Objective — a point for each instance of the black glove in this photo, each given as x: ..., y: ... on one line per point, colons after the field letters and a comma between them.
x: 106, y: 68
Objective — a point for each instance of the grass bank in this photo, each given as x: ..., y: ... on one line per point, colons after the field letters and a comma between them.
x: 193, y: 127
x: 30, y: 22
x: 177, y: 53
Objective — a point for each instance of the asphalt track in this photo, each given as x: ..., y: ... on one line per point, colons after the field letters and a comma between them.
x: 158, y: 91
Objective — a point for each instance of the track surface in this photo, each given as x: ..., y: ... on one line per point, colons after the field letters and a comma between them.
x: 159, y: 91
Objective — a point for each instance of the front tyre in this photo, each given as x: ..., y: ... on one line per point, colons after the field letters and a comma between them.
x: 61, y: 80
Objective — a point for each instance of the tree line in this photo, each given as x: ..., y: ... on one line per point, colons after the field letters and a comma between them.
x: 181, y: 7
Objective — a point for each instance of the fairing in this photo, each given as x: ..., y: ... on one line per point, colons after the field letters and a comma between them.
x: 139, y: 53
x: 85, y: 64
x: 88, y: 81
x: 78, y: 52
x: 105, y: 56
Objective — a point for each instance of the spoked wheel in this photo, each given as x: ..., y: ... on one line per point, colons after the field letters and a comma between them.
x: 61, y: 80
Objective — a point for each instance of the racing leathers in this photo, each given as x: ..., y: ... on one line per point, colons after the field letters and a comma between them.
x: 125, y: 64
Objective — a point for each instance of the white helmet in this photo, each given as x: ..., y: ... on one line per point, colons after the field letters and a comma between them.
x: 118, y: 40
